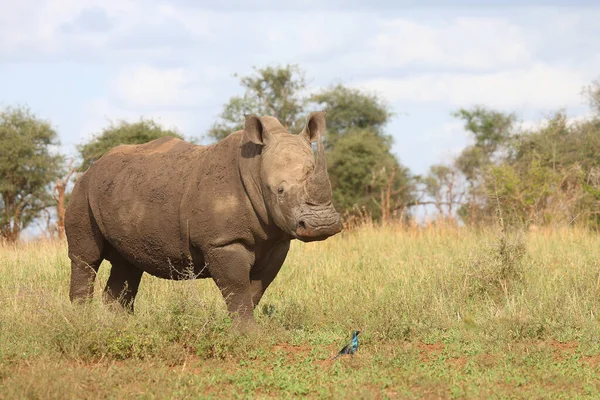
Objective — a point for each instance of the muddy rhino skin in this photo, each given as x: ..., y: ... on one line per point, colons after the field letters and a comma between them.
x: 181, y: 211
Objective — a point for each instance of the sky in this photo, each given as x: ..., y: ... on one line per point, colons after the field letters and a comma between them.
x: 84, y: 63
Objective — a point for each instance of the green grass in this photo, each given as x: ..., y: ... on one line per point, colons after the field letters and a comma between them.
x: 444, y: 313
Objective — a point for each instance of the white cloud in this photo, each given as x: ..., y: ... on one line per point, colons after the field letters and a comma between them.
x: 33, y: 25
x: 99, y: 113
x: 146, y: 86
x: 540, y: 86
x: 271, y: 34
x: 176, y: 98
x: 32, y: 29
x: 471, y: 43
x: 447, y: 142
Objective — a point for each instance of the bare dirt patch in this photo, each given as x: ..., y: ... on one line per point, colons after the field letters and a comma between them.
x: 592, y: 361
x: 563, y: 349
x: 430, y: 351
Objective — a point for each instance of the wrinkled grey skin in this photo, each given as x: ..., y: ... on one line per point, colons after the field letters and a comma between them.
x: 177, y: 211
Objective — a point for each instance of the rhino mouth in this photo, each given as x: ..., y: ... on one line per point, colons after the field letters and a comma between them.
x: 309, y: 231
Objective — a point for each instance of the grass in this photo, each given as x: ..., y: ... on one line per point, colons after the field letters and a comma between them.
x: 444, y: 313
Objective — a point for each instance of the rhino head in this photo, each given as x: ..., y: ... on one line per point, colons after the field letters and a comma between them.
x: 295, y: 187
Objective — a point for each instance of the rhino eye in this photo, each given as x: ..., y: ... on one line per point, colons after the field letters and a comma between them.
x: 280, y: 190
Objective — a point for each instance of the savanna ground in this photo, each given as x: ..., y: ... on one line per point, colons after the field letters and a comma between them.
x: 444, y: 313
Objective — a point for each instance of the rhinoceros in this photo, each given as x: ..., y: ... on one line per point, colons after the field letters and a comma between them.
x: 176, y: 210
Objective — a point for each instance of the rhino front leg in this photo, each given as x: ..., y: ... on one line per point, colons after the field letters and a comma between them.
x: 266, y: 270
x: 229, y: 267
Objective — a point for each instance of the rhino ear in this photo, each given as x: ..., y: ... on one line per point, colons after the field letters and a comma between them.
x: 315, y: 126
x: 254, y: 130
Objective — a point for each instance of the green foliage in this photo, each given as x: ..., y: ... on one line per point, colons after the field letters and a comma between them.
x: 360, y: 162
x: 491, y: 130
x: 540, y: 176
x: 560, y: 144
x: 550, y: 174
x: 273, y: 91
x: 27, y: 167
x: 360, y: 166
x: 123, y: 132
x: 349, y: 109
x: 524, y: 196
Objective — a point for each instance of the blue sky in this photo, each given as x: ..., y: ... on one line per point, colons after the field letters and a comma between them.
x: 82, y: 63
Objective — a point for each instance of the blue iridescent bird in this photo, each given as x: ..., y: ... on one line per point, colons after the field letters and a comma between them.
x: 349, y: 348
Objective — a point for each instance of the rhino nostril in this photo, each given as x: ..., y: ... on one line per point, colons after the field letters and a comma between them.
x: 301, y: 225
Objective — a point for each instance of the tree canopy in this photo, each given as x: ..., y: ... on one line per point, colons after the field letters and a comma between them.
x: 361, y: 164
x: 349, y: 109
x: 28, y: 165
x: 273, y: 91
x: 122, y: 132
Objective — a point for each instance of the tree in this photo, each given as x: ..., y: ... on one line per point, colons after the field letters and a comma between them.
x: 274, y: 91
x: 592, y: 93
x: 550, y: 174
x: 545, y: 175
x: 27, y: 168
x: 123, y: 132
x: 360, y: 167
x: 349, y: 109
x: 443, y: 186
x: 492, y: 132
x: 364, y: 173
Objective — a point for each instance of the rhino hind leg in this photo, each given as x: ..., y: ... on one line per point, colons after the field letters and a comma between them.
x: 123, y: 283
x: 86, y: 246
x: 83, y: 275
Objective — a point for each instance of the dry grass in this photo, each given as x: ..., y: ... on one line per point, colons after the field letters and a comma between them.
x: 492, y: 304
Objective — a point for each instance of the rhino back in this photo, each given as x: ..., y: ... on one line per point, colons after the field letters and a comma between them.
x: 135, y: 192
